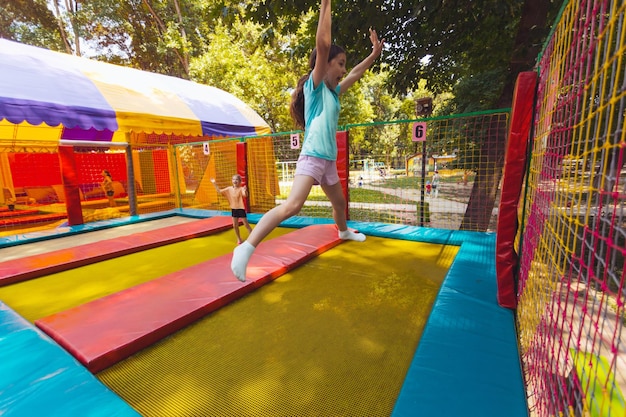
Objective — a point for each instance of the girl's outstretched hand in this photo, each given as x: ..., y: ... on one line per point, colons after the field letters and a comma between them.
x: 361, y: 67
x: 377, y: 45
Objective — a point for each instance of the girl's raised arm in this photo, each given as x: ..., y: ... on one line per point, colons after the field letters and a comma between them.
x: 322, y: 43
x: 358, y: 71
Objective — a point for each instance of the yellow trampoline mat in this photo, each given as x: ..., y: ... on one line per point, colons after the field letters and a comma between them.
x: 334, y: 337
x: 51, y: 294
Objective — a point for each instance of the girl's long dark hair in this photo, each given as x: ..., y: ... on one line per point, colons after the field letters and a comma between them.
x: 297, y: 97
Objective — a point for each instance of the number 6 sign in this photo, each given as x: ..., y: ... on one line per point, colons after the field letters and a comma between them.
x: 419, y: 132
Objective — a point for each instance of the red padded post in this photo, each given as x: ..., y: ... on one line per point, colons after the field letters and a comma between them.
x: 70, y: 185
x: 343, y: 166
x: 242, y: 169
x: 514, y: 171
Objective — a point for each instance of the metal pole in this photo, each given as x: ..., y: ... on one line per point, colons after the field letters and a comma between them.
x: 423, y: 206
x: 130, y: 173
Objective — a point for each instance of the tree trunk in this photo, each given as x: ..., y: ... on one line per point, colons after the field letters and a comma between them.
x: 488, y: 176
x: 489, y: 173
x: 62, y: 31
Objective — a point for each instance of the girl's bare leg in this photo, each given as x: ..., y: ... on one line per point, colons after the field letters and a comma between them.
x: 335, y: 195
x: 299, y: 192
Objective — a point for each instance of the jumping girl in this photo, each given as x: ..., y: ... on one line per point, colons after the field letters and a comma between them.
x: 315, y: 108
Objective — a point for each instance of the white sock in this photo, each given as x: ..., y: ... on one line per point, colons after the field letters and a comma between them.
x: 241, y: 256
x: 350, y: 235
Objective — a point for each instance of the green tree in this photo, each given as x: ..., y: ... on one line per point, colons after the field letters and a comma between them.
x: 238, y: 60
x: 30, y: 22
x: 447, y: 43
x: 152, y: 35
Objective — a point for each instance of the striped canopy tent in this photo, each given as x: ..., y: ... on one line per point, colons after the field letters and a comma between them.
x: 51, y: 96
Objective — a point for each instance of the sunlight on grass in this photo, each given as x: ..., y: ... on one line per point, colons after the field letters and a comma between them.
x: 357, y: 195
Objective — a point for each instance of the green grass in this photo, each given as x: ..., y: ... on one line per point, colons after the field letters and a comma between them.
x: 359, y: 195
x: 362, y: 195
x: 357, y: 214
x: 414, y: 182
x: 402, y: 182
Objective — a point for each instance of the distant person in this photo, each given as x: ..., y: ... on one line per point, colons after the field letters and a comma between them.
x: 235, y: 195
x: 429, y: 187
x: 465, y: 177
x: 107, y: 187
x: 315, y: 107
x: 435, y: 184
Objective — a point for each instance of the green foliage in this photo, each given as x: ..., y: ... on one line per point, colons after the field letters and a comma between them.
x: 30, y: 22
x: 238, y: 60
x: 434, y: 40
x: 476, y: 92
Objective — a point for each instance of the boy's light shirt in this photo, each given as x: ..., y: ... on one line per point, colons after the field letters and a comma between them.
x: 321, y: 113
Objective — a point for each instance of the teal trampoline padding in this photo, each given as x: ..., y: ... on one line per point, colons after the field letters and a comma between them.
x: 467, y: 362
x: 39, y: 378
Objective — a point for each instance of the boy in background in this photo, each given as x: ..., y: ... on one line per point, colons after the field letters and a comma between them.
x: 235, y: 195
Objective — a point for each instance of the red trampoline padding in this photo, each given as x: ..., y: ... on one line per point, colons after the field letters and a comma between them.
x: 30, y: 219
x: 49, y: 263
x: 512, y: 180
x: 17, y: 213
x: 108, y: 330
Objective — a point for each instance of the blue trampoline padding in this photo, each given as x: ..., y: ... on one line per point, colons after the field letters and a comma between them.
x: 38, y: 378
x: 467, y: 362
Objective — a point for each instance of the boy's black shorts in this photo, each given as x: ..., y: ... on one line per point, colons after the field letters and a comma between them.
x: 239, y: 213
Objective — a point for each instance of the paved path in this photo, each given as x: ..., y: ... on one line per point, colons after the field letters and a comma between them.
x: 437, y: 205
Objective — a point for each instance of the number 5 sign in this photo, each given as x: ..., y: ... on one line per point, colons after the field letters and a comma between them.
x: 419, y: 132
x: 294, y: 140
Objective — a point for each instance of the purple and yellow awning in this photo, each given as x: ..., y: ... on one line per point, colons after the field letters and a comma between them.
x: 46, y: 95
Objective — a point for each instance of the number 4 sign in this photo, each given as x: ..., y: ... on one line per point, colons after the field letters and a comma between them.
x: 419, y: 132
